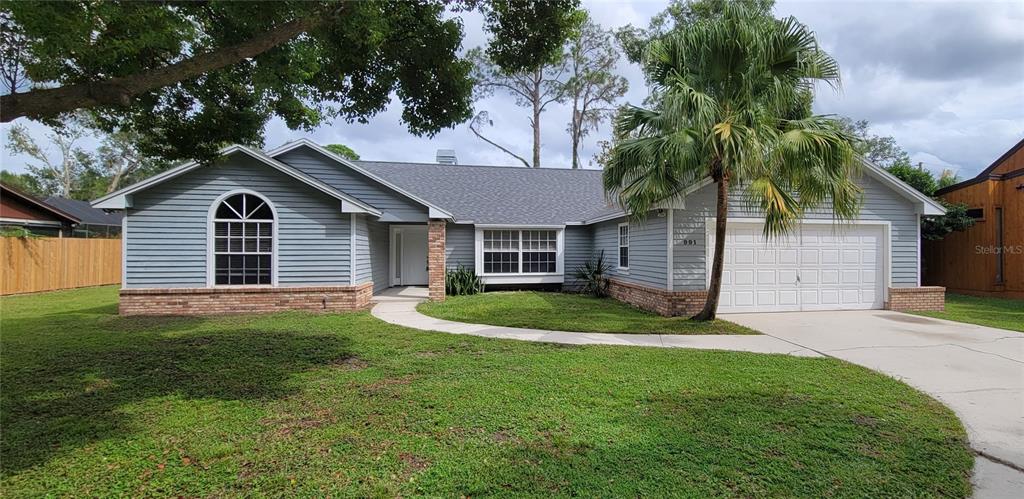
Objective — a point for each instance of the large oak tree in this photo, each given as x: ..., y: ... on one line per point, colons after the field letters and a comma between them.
x: 188, y: 77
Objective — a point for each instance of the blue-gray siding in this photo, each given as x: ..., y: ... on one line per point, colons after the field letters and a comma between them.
x: 578, y: 248
x: 372, y: 252
x: 880, y: 203
x: 648, y: 250
x: 396, y: 207
x: 167, y: 227
x: 459, y: 246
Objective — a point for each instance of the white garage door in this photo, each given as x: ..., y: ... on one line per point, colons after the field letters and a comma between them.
x: 817, y: 267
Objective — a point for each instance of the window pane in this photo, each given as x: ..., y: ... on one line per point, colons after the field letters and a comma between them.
x: 538, y: 262
x: 260, y: 213
x: 500, y: 262
x: 265, y: 245
x: 225, y: 209
x: 220, y: 245
x: 220, y: 229
x: 624, y: 256
x: 250, y: 245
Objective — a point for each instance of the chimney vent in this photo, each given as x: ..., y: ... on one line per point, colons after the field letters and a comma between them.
x: 446, y: 157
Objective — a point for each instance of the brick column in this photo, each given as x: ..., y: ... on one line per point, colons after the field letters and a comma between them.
x: 435, y: 259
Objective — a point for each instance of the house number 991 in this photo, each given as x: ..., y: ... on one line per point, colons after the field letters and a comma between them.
x: 688, y: 242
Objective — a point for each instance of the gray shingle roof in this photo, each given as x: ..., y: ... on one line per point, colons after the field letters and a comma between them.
x: 83, y: 211
x: 501, y: 195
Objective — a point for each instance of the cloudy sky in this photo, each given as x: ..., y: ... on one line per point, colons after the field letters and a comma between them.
x: 946, y: 79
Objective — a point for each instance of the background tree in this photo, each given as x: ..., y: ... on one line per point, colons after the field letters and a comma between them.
x: 592, y: 86
x: 533, y: 89
x: 63, y: 168
x: 343, y: 151
x: 59, y: 174
x: 23, y: 182
x: 119, y: 162
x: 189, y: 77
x: 483, y: 119
x: 884, y: 151
x: 881, y: 150
x: 734, y: 105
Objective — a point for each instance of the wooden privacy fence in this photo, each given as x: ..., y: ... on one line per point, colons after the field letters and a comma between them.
x: 48, y: 263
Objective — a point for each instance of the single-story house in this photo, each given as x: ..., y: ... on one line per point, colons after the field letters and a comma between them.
x: 299, y: 227
x: 18, y: 209
x: 988, y: 257
x: 93, y: 222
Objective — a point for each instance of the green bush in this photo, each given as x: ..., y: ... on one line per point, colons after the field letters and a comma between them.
x: 593, y: 276
x: 462, y: 281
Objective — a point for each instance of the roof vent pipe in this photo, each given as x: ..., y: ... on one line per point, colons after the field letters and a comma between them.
x: 446, y: 157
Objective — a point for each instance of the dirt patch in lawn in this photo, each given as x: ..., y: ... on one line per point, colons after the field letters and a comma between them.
x: 350, y: 363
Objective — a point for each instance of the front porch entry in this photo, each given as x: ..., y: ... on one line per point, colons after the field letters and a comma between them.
x: 409, y: 255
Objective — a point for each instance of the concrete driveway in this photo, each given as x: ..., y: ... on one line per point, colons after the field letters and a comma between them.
x: 977, y: 371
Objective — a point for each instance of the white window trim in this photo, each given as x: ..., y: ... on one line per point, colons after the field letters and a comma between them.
x: 619, y: 246
x: 521, y: 277
x: 211, y: 271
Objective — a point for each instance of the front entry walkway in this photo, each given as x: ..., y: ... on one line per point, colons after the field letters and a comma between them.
x: 398, y: 306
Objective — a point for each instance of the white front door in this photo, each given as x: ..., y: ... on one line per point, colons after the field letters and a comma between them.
x: 409, y: 250
x: 817, y: 267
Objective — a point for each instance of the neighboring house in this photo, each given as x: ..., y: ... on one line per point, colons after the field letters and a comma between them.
x: 987, y: 258
x: 301, y: 228
x: 94, y: 222
x: 18, y: 209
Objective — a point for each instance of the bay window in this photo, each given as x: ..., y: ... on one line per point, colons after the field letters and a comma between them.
x: 518, y: 251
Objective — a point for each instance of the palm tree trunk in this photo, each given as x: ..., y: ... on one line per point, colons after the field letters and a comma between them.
x: 721, y: 215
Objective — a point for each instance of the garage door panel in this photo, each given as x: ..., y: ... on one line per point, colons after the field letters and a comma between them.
x: 817, y: 268
x: 743, y: 256
x: 743, y: 298
x: 851, y: 256
x: 810, y: 256
x: 788, y: 298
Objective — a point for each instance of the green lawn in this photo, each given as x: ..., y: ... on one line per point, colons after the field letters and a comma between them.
x: 568, y: 312
x: 993, y: 312
x: 298, y: 404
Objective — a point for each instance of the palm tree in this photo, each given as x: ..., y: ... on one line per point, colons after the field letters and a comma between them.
x: 733, y: 100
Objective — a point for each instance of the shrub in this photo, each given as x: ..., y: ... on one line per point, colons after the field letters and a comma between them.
x: 462, y: 281
x: 593, y: 274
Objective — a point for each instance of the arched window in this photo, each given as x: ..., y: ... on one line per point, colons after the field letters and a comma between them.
x: 243, y: 245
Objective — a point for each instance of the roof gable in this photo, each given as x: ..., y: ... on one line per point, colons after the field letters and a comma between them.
x: 122, y: 198
x: 38, y: 204
x: 996, y: 171
x: 434, y: 210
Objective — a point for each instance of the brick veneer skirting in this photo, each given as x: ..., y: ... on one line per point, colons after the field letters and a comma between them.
x: 210, y: 301
x: 659, y: 301
x: 921, y: 298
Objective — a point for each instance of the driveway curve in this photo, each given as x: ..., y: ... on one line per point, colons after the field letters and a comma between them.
x: 976, y: 371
